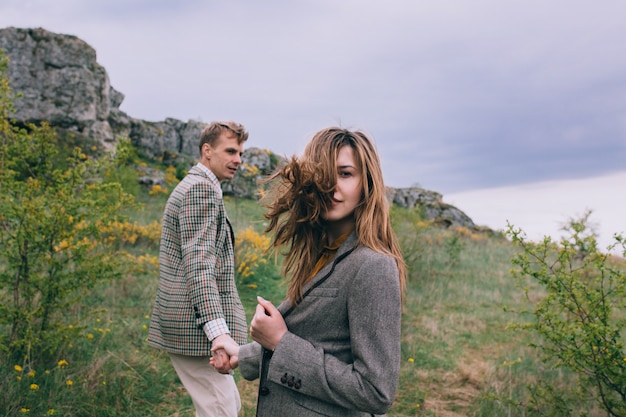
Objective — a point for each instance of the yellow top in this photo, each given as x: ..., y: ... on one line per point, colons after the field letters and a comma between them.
x: 328, y: 253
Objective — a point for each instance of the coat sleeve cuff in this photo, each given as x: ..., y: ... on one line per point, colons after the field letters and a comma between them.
x: 215, y: 328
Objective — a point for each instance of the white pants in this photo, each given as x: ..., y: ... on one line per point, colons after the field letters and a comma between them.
x: 213, y: 394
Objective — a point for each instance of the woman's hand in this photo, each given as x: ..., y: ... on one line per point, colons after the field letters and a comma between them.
x: 267, y: 326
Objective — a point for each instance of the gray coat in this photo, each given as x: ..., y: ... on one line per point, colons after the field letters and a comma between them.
x: 341, y: 354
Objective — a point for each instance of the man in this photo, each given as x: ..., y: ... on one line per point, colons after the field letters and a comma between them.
x: 197, y: 303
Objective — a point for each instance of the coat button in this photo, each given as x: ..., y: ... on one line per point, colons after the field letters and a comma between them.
x: 264, y: 391
x: 195, y: 308
x: 297, y: 384
x: 283, y: 379
x: 290, y: 382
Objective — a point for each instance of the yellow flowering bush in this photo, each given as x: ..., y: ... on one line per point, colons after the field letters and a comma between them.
x: 250, y: 250
x: 170, y: 175
x: 131, y: 234
x: 158, y: 189
x: 249, y: 170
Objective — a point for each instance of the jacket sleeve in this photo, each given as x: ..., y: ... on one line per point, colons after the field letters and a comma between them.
x: 199, y: 227
x: 250, y: 360
x: 370, y: 382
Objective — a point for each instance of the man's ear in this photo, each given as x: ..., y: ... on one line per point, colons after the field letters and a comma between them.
x: 206, y: 150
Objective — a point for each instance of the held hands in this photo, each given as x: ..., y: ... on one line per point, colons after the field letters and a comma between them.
x: 225, y: 354
x: 267, y: 326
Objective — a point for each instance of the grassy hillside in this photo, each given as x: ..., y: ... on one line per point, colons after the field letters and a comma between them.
x: 458, y: 357
x: 455, y: 340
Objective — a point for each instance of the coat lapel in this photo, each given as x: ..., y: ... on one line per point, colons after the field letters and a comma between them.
x: 344, y: 250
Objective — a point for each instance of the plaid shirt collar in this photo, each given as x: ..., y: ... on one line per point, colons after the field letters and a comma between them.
x: 211, y: 177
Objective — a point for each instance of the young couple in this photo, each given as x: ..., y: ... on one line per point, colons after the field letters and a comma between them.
x: 332, y: 347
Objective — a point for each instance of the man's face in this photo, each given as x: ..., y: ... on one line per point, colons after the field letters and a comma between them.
x: 224, y: 157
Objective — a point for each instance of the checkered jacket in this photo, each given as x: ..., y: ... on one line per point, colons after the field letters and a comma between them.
x: 197, y: 270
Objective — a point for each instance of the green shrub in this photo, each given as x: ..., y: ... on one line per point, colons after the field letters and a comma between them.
x: 52, y: 248
x: 578, y: 316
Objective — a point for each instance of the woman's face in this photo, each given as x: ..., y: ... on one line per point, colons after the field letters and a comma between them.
x: 348, y: 192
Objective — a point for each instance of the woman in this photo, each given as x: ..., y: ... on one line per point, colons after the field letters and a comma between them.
x: 333, y: 347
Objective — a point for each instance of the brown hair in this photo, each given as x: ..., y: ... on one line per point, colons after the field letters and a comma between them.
x: 212, y: 132
x: 301, y: 191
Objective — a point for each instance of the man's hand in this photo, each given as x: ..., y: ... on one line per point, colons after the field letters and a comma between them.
x: 225, y: 353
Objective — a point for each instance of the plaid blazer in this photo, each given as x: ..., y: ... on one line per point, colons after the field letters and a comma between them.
x: 197, y: 270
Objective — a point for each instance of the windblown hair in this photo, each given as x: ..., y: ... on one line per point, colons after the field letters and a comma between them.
x: 212, y: 132
x: 301, y: 191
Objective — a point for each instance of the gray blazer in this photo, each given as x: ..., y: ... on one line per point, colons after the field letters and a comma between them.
x: 341, y: 354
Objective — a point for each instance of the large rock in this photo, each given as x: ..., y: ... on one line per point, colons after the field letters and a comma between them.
x: 432, y: 206
x: 60, y: 81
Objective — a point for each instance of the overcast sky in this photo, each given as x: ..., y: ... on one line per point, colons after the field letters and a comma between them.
x: 458, y: 95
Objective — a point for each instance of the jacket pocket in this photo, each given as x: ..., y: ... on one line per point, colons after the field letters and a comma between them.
x: 322, y: 408
x: 324, y: 292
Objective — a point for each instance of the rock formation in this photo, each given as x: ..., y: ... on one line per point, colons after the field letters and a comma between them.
x: 59, y: 80
x: 432, y: 205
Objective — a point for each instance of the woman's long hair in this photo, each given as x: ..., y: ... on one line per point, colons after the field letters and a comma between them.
x: 301, y: 191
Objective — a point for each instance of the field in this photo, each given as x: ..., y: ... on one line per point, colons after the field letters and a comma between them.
x: 459, y: 357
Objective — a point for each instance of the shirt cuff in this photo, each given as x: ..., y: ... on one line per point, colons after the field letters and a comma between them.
x: 215, y: 328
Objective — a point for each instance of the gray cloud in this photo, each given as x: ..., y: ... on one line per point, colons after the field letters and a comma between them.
x: 458, y: 95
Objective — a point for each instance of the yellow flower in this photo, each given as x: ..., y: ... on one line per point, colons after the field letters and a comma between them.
x: 51, y: 411
x: 34, y: 387
x: 64, y: 244
x: 411, y: 360
x: 25, y: 410
x: 19, y: 378
x: 31, y: 374
x: 62, y: 363
x: 69, y: 382
x: 18, y: 368
x: 89, y: 336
